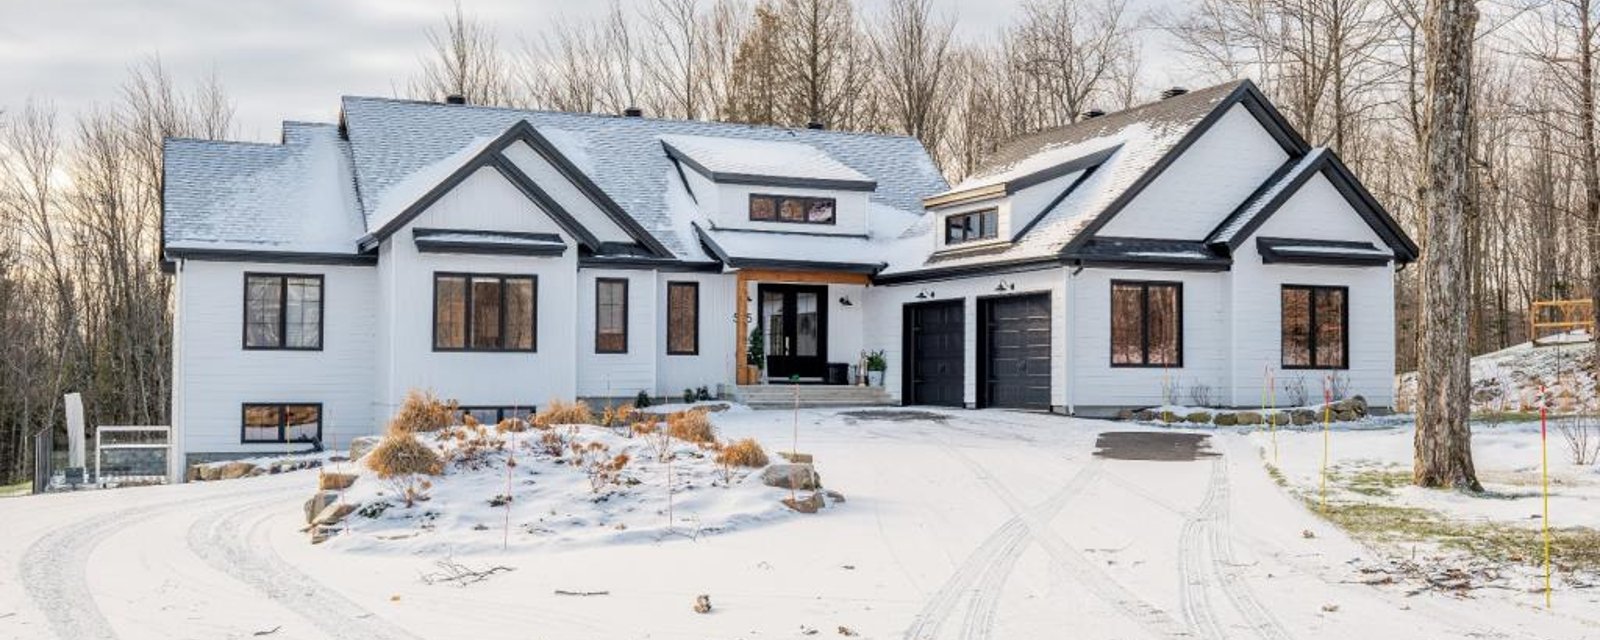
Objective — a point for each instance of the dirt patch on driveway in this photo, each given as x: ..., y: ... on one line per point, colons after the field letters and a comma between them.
x: 1153, y: 445
x: 895, y: 415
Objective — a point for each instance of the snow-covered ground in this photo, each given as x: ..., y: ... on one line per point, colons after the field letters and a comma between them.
x: 978, y: 524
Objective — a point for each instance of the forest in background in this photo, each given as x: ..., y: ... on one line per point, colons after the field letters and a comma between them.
x: 85, y: 307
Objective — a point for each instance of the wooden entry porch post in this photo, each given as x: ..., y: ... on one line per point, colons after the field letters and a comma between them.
x: 742, y: 280
x: 742, y: 318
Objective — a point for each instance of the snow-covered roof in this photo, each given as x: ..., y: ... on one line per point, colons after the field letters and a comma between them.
x: 298, y: 196
x: 393, y: 139
x: 763, y: 162
x: 746, y: 248
x: 1291, y: 174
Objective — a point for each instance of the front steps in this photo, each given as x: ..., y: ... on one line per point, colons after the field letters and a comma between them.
x: 782, y: 396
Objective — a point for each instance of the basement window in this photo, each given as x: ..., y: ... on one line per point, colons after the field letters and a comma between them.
x: 281, y: 423
x: 971, y: 226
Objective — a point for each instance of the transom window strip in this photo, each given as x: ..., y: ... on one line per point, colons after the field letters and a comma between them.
x: 801, y: 209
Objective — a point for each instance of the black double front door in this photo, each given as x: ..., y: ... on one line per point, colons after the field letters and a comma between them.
x: 794, y: 319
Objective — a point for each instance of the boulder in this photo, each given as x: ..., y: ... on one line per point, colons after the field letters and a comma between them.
x: 1359, y: 405
x: 340, y: 481
x: 320, y: 535
x: 1144, y: 415
x: 1279, y: 418
x: 810, y: 504
x: 800, y: 476
x: 235, y: 470
x: 319, y: 501
x: 1302, y: 417
x: 833, y: 496
x: 361, y: 445
x: 333, y: 513
x: 1345, y: 415
x: 1246, y: 418
x: 1230, y: 419
x: 1125, y: 414
x: 1199, y: 417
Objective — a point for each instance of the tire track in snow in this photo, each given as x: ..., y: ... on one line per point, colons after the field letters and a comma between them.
x: 1193, y: 597
x: 54, y: 570
x: 985, y: 570
x: 234, y: 542
x: 1224, y: 566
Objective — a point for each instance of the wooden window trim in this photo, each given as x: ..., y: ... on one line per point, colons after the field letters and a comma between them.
x: 598, y: 283
x: 466, y: 325
x: 1311, y: 337
x: 695, y: 286
x: 283, y: 311
x: 777, y: 206
x: 1144, y: 327
x: 283, y: 419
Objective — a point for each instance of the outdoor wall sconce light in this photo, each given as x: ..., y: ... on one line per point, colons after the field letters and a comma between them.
x: 1005, y: 286
x: 925, y: 294
x: 844, y: 301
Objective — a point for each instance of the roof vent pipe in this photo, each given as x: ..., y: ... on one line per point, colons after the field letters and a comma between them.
x: 633, y: 112
x: 455, y: 98
x: 815, y: 125
x: 1173, y: 92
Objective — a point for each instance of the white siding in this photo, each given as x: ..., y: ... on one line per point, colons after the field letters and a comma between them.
x: 886, y: 309
x: 217, y: 375
x: 566, y: 194
x: 1205, y: 184
x: 484, y: 201
x: 619, y: 374
x: 1096, y: 383
x: 714, y: 364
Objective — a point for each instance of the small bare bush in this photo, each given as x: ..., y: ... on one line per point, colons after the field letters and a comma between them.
x: 553, y: 442
x: 597, y: 462
x: 1339, y: 386
x: 422, y: 412
x: 511, y: 425
x: 1200, y: 394
x: 619, y: 418
x: 1582, y: 435
x: 658, y: 438
x: 404, y: 462
x: 1294, y: 390
x: 693, y: 425
x: 559, y: 413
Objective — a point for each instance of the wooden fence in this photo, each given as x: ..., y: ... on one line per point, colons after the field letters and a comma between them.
x: 1547, y: 318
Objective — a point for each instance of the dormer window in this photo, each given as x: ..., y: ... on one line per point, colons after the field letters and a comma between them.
x: 768, y: 208
x: 972, y: 226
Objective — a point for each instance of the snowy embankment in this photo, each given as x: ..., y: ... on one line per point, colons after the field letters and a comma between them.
x: 1509, y: 380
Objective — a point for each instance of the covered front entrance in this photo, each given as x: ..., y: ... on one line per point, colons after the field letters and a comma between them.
x: 794, y: 322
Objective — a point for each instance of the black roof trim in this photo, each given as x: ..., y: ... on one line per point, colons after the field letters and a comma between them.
x: 277, y: 257
x: 647, y: 264
x: 1246, y: 94
x: 492, y: 155
x: 1154, y: 264
x: 723, y: 177
x: 1329, y: 165
x: 1088, y: 162
x: 1056, y: 201
x: 1135, y: 253
x: 427, y: 241
x: 774, y: 263
x: 1281, y: 250
x: 969, y: 270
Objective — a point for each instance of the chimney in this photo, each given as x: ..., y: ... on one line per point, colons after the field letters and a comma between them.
x: 633, y: 112
x: 1093, y: 113
x: 455, y: 98
x: 1173, y: 92
x: 814, y: 125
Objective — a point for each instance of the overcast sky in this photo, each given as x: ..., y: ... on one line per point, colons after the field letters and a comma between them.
x: 292, y: 59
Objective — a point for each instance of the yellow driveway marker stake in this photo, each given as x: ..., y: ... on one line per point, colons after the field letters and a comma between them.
x: 1327, y: 414
x: 1544, y: 469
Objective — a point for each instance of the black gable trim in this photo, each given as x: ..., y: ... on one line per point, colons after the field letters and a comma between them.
x: 539, y: 197
x: 277, y: 257
x: 1077, y: 164
x: 724, y: 177
x: 527, y: 133
x: 428, y: 241
x: 1248, y: 95
x: 1282, y: 250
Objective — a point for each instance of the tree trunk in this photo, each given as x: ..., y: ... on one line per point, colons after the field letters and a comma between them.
x: 1586, y: 134
x: 1443, y: 440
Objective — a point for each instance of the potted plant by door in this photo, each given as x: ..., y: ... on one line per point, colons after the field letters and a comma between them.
x: 754, y: 355
x: 876, y: 365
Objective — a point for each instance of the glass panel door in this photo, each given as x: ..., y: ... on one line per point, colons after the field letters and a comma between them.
x: 773, y: 323
x: 808, y: 325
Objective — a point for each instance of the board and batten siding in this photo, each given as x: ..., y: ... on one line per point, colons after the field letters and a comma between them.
x: 714, y: 364
x: 1316, y: 212
x: 216, y: 375
x: 886, y: 310
x: 619, y: 375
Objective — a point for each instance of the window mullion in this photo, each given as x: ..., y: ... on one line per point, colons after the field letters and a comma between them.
x: 1311, y: 331
x: 1144, y: 322
x: 283, y: 312
x: 502, y: 337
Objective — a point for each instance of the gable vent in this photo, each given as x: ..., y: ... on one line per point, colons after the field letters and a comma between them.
x: 1173, y: 92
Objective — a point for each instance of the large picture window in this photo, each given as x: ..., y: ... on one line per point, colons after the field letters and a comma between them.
x: 282, y: 311
x: 281, y: 422
x: 1146, y: 324
x: 611, y: 315
x: 683, y: 318
x: 1316, y: 327
x: 479, y: 312
x: 768, y: 208
x: 971, y: 226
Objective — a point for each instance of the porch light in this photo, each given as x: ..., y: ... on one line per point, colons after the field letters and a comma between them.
x: 1005, y: 286
x: 844, y: 301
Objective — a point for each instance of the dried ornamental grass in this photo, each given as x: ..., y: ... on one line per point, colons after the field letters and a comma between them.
x: 559, y: 413
x: 403, y: 454
x: 422, y: 412
x: 693, y: 425
x: 742, y: 453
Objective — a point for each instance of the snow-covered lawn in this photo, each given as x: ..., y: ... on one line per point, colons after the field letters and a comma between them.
x: 961, y: 524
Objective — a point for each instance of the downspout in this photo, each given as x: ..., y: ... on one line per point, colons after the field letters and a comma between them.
x: 177, y: 453
x: 1071, y: 331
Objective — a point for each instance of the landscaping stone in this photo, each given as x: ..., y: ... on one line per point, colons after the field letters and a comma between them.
x: 810, y: 504
x: 1302, y: 417
x: 1229, y: 419
x: 1359, y: 405
x: 1280, y: 418
x: 319, y: 501
x: 339, y: 481
x: 334, y: 513
x: 833, y: 496
x: 320, y: 535
x: 361, y: 445
x: 1345, y: 416
x: 1199, y: 417
x: 1246, y: 418
x: 1144, y: 415
x: 235, y: 470
x: 797, y: 458
x: 801, y: 476
x: 1125, y: 414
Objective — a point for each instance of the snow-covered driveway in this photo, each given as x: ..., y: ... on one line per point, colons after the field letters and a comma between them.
x: 986, y: 524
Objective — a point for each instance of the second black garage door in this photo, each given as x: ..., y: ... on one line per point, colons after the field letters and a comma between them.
x: 1014, y: 352
x: 935, y: 357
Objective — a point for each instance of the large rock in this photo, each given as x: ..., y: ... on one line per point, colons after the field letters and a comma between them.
x: 339, y: 481
x: 362, y: 445
x: 1345, y: 415
x: 333, y: 513
x: 1230, y: 419
x: 1280, y: 418
x: 319, y: 501
x: 1199, y: 417
x: 802, y: 477
x: 235, y: 470
x: 1302, y: 417
x: 1359, y: 405
x: 1246, y: 418
x: 810, y: 504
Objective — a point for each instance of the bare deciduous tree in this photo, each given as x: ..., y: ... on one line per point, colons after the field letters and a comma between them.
x: 464, y: 59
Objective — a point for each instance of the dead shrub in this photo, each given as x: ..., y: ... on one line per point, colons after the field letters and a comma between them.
x: 511, y: 425
x: 693, y: 425
x: 553, y: 442
x: 742, y: 453
x: 1582, y: 435
x: 617, y: 417
x: 404, y: 462
x: 597, y: 462
x: 422, y: 412
x: 559, y: 413
x: 659, y: 439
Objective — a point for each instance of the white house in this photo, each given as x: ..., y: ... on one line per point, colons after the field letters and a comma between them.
x: 504, y: 258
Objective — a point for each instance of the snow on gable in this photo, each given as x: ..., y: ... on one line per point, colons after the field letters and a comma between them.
x: 753, y: 161
x: 294, y: 197
x: 398, y: 197
x: 564, y: 192
x: 1318, y: 211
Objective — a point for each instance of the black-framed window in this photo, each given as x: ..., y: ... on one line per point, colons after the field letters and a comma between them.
x: 1316, y: 327
x: 485, y: 312
x: 487, y: 414
x: 802, y: 209
x: 280, y: 422
x: 611, y: 315
x: 1146, y: 324
x: 683, y: 318
x: 972, y: 226
x: 283, y: 311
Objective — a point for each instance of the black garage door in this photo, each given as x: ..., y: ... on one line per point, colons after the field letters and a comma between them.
x: 935, y: 354
x: 1014, y: 357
